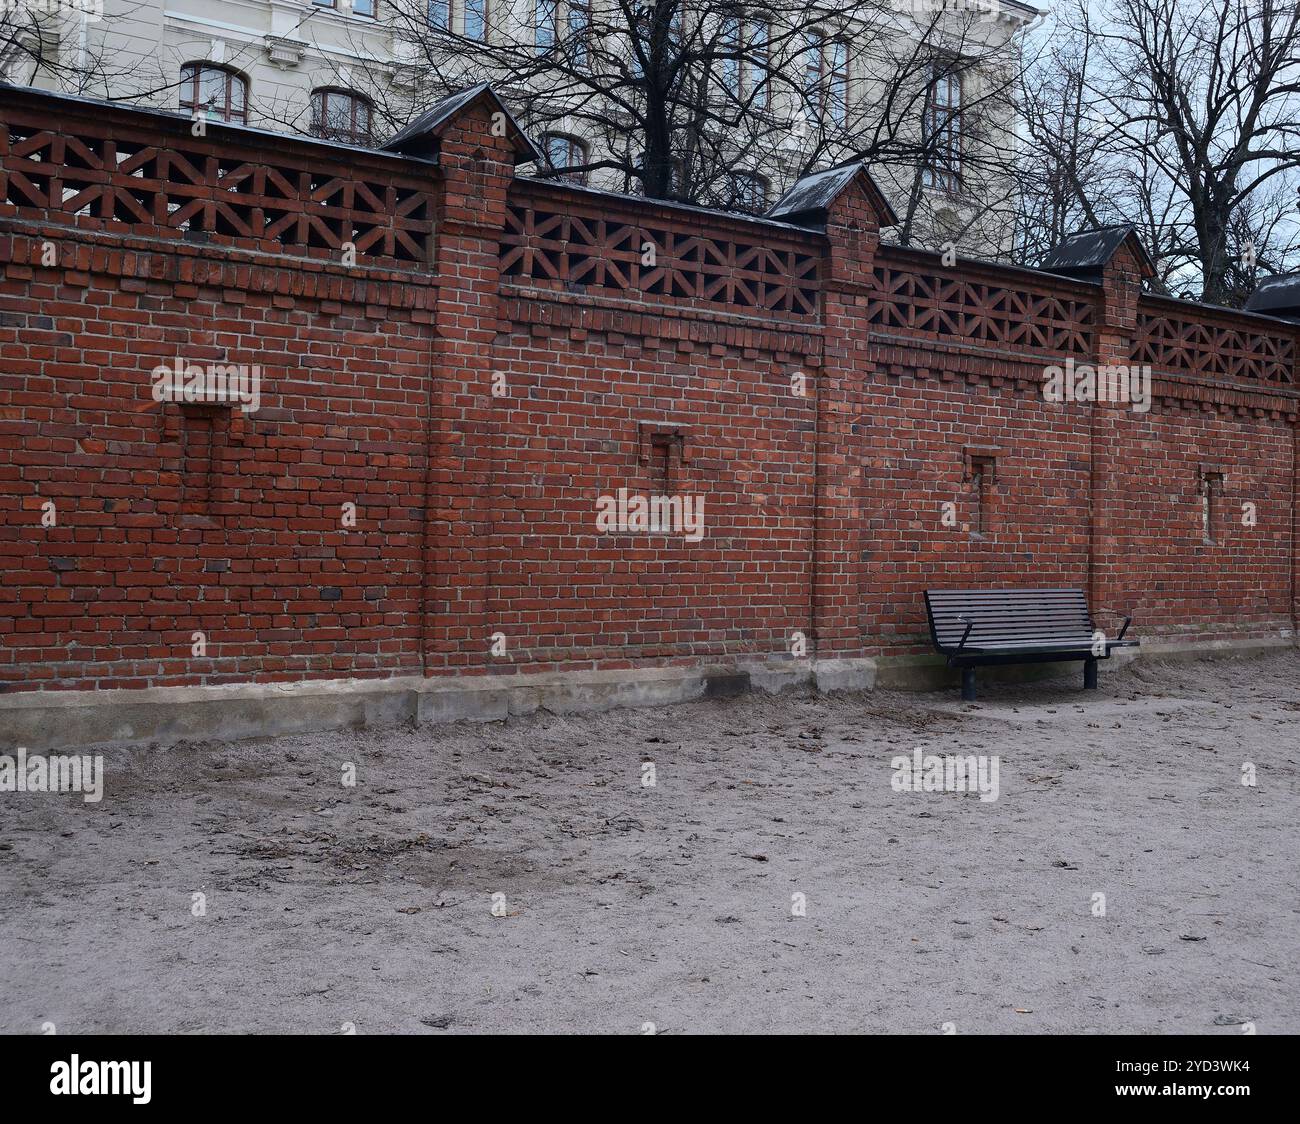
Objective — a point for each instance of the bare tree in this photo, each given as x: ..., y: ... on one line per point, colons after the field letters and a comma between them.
x: 1063, y: 185
x: 694, y: 99
x: 1182, y: 117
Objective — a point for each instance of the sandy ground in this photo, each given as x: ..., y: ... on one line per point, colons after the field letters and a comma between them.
x: 626, y: 905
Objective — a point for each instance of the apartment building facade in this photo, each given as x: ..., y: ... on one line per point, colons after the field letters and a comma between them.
x: 358, y: 70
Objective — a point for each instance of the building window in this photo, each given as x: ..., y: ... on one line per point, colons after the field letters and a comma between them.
x: 579, y: 26
x: 757, y: 81
x: 743, y: 59
x: 548, y: 26
x: 472, y: 16
x: 729, y: 48
x: 218, y: 93
x: 364, y: 8
x: 340, y: 115
x: 566, y: 155
x: 837, y: 71
x: 476, y: 19
x: 648, y: 18
x: 826, y: 77
x: 749, y: 192
x: 943, y: 132
x: 325, y: 3
x: 678, y: 177
x: 812, y: 72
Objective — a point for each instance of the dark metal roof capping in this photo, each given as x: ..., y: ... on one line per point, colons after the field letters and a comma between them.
x: 1278, y: 295
x: 670, y: 204
x: 1029, y: 271
x: 421, y: 135
x: 1087, y: 252
x: 811, y: 197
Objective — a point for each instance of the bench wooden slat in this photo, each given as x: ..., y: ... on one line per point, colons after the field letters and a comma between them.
x: 1029, y: 624
x: 978, y: 637
x: 1005, y: 595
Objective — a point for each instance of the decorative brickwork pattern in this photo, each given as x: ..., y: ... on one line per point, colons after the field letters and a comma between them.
x: 1010, y: 316
x: 1238, y: 349
x: 103, y: 173
x: 575, y: 242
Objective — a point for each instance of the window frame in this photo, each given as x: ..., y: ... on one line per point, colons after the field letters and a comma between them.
x: 546, y: 14
x: 482, y: 12
x: 731, y: 38
x: 826, y: 75
x: 757, y: 79
x: 577, y: 41
x: 574, y: 144
x: 191, y: 84
x: 838, y: 79
x: 320, y: 117
x: 943, y: 131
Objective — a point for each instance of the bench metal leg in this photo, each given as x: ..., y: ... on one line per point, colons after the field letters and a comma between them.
x: 1089, y: 675
x: 968, y: 684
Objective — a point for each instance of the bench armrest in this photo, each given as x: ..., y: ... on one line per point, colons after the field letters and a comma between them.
x: 965, y: 635
x: 1127, y: 621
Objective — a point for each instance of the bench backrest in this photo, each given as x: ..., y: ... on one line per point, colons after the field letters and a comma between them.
x: 999, y: 615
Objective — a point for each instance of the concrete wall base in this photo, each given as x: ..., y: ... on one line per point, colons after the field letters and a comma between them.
x: 56, y: 720
x: 929, y: 672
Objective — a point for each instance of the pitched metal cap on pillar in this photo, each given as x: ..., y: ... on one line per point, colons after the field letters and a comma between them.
x: 1086, y: 253
x: 1278, y: 296
x: 421, y: 136
x: 811, y: 198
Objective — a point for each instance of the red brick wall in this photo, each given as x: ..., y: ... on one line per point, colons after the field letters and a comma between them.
x: 826, y: 395
x: 172, y: 519
x: 1035, y: 522
x: 1167, y: 571
x: 580, y: 399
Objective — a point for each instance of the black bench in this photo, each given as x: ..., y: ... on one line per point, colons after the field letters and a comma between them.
x: 974, y: 627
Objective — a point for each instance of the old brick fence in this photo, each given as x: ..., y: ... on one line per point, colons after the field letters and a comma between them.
x: 456, y: 364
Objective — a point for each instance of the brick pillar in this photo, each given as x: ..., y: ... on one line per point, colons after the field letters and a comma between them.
x: 1116, y: 327
x: 1294, y: 418
x: 853, y: 229
x: 477, y: 168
